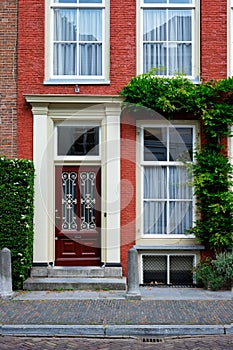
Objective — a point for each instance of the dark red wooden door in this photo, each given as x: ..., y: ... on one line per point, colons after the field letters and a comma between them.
x: 77, y: 216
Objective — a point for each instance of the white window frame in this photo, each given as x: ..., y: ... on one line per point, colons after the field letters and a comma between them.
x: 195, y: 77
x: 177, y: 124
x: 230, y: 38
x: 85, y: 158
x: 50, y: 78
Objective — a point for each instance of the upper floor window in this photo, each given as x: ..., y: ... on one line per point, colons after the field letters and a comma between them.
x: 168, y: 37
x: 78, y: 40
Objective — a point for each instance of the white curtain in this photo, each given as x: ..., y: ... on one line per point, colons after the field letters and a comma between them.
x: 154, y: 36
x: 167, y: 36
x: 65, y: 45
x: 90, y: 47
x: 167, y: 200
x: 66, y: 37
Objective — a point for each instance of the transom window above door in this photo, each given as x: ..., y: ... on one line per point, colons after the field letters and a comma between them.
x: 75, y: 141
x: 78, y: 43
x: 168, y: 37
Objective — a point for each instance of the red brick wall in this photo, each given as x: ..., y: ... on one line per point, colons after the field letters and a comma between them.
x: 8, y: 78
x: 213, y: 39
x: 31, y: 60
x: 128, y: 187
x: 122, y: 54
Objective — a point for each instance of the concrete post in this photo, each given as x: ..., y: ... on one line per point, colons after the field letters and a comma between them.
x: 133, y: 291
x: 5, y: 274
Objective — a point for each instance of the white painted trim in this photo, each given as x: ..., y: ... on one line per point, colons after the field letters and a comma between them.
x: 49, y: 78
x: 47, y: 111
x: 140, y: 236
x: 195, y: 7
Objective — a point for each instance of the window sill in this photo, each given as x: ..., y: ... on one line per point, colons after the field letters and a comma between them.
x: 169, y: 247
x: 76, y: 82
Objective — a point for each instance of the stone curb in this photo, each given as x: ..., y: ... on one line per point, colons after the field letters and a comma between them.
x: 229, y: 329
x: 111, y: 331
x: 43, y: 330
x: 164, y: 330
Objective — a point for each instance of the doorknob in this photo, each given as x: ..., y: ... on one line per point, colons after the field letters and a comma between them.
x: 56, y: 212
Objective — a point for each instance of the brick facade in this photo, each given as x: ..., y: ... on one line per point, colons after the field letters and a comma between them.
x: 8, y: 78
x: 31, y: 67
x: 213, y: 39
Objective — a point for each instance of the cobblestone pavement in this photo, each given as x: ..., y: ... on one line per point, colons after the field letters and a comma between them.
x: 116, y: 312
x: 224, y: 342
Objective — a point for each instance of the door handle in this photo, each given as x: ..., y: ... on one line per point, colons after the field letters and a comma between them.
x: 56, y: 212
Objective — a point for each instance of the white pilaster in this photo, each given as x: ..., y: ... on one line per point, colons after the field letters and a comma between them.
x: 43, y: 214
x: 111, y: 184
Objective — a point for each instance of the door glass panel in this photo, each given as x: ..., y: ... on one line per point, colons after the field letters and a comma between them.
x: 69, y: 201
x: 78, y: 141
x: 88, y: 201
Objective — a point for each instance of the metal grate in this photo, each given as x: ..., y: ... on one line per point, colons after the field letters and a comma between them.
x: 154, y: 269
x: 151, y: 340
x: 169, y: 270
x: 181, y: 269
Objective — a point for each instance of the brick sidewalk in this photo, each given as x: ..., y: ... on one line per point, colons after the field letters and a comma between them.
x: 116, y: 312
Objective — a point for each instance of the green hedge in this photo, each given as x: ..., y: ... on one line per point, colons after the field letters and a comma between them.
x: 16, y: 214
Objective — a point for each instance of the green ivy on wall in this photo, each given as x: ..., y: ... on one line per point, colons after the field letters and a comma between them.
x: 212, y: 103
x: 16, y: 214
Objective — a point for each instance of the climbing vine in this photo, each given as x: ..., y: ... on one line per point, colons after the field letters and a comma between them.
x: 212, y: 103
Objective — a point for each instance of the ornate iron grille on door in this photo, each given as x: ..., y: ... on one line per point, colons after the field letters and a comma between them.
x: 69, y: 201
x: 88, y: 201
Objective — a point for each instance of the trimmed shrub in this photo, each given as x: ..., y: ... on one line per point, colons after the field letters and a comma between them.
x: 16, y: 214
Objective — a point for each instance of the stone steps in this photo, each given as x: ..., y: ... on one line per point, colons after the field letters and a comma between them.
x: 66, y: 278
x: 71, y: 283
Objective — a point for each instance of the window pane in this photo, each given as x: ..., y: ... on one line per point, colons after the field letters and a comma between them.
x: 90, y: 1
x: 180, y: 59
x: 65, y: 1
x: 154, y: 30
x: 78, y: 141
x: 90, y: 58
x: 90, y: 26
x: 155, y: 1
x: 65, y: 47
x: 155, y: 144
x: 179, y: 25
x: 155, y: 182
x: 179, y: 183
x: 181, y: 144
x: 180, y: 1
x: 181, y: 217
x: 154, y: 25
x: 155, y: 217
x: 65, y: 25
x: 90, y: 52
x: 64, y: 61
x: 155, y: 55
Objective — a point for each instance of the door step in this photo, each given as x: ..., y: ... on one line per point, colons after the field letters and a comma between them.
x: 66, y: 278
x: 76, y: 271
x: 70, y: 283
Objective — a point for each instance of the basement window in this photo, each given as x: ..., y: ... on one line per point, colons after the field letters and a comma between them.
x: 169, y: 269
